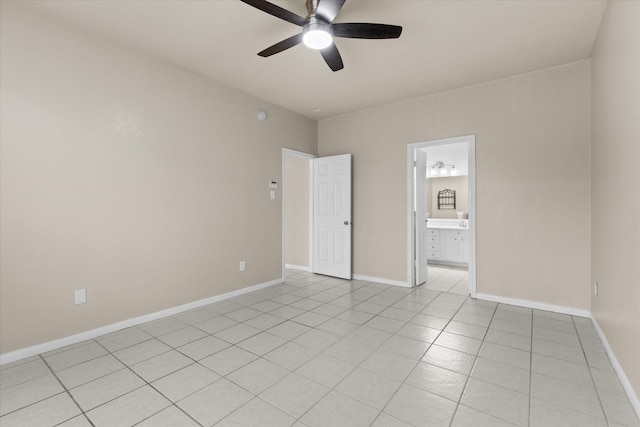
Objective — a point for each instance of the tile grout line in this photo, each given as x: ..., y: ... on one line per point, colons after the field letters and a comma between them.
x: 38, y: 357
x: 290, y: 340
x: 221, y: 376
x: 569, y: 381
x: 197, y: 362
x: 439, y: 293
x: 476, y: 355
x: 66, y: 390
x: 474, y: 364
x: 584, y: 354
x: 359, y: 364
x: 377, y: 348
x: 381, y: 411
x: 146, y: 383
x: 297, y: 418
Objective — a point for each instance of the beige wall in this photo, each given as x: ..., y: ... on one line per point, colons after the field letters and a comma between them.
x: 532, y: 186
x: 615, y: 183
x: 459, y: 184
x: 135, y: 179
x: 296, y: 210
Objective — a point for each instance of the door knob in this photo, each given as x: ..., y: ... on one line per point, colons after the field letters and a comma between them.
x: 346, y: 223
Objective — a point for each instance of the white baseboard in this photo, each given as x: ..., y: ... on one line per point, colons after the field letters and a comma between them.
x: 298, y: 267
x: 380, y: 280
x: 535, y: 305
x: 73, y: 339
x: 635, y: 403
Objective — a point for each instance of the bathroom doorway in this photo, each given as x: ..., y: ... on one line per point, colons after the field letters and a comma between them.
x: 432, y: 210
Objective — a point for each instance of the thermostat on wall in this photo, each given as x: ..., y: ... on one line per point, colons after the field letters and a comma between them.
x: 273, y: 185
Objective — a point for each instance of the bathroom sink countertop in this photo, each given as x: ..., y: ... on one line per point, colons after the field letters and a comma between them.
x: 449, y: 227
x: 449, y: 224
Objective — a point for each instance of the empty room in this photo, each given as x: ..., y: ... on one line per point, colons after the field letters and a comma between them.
x: 319, y: 213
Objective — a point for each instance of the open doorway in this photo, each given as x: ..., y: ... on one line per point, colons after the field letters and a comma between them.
x: 296, y: 211
x: 441, y: 209
x: 316, y: 214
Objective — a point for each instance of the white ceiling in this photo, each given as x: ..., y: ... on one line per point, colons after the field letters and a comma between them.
x: 444, y: 44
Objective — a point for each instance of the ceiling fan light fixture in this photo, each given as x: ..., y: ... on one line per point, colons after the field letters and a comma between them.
x: 318, y: 29
x: 317, y: 36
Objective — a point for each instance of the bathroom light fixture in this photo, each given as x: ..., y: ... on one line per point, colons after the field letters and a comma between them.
x: 439, y: 168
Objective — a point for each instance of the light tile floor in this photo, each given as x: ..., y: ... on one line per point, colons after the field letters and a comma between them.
x: 320, y: 351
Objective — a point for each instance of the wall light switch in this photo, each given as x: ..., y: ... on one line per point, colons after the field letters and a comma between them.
x: 80, y: 296
x: 273, y: 195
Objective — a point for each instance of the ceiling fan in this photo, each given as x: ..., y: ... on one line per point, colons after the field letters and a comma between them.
x: 318, y: 29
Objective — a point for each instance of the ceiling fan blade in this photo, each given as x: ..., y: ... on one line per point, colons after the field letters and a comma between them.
x: 276, y: 11
x: 361, y: 30
x: 332, y: 57
x: 329, y: 9
x: 283, y: 45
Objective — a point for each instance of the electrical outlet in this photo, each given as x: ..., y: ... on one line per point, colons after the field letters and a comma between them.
x: 80, y: 296
x: 242, y: 265
x: 595, y: 289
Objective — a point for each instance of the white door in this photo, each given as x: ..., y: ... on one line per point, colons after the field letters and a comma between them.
x: 332, y: 216
x: 420, y: 227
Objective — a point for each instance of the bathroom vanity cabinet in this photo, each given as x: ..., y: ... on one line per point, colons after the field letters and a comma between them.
x: 448, y: 245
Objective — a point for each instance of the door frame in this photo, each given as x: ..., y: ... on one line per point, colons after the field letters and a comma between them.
x: 287, y: 152
x: 471, y: 145
x: 419, y: 218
